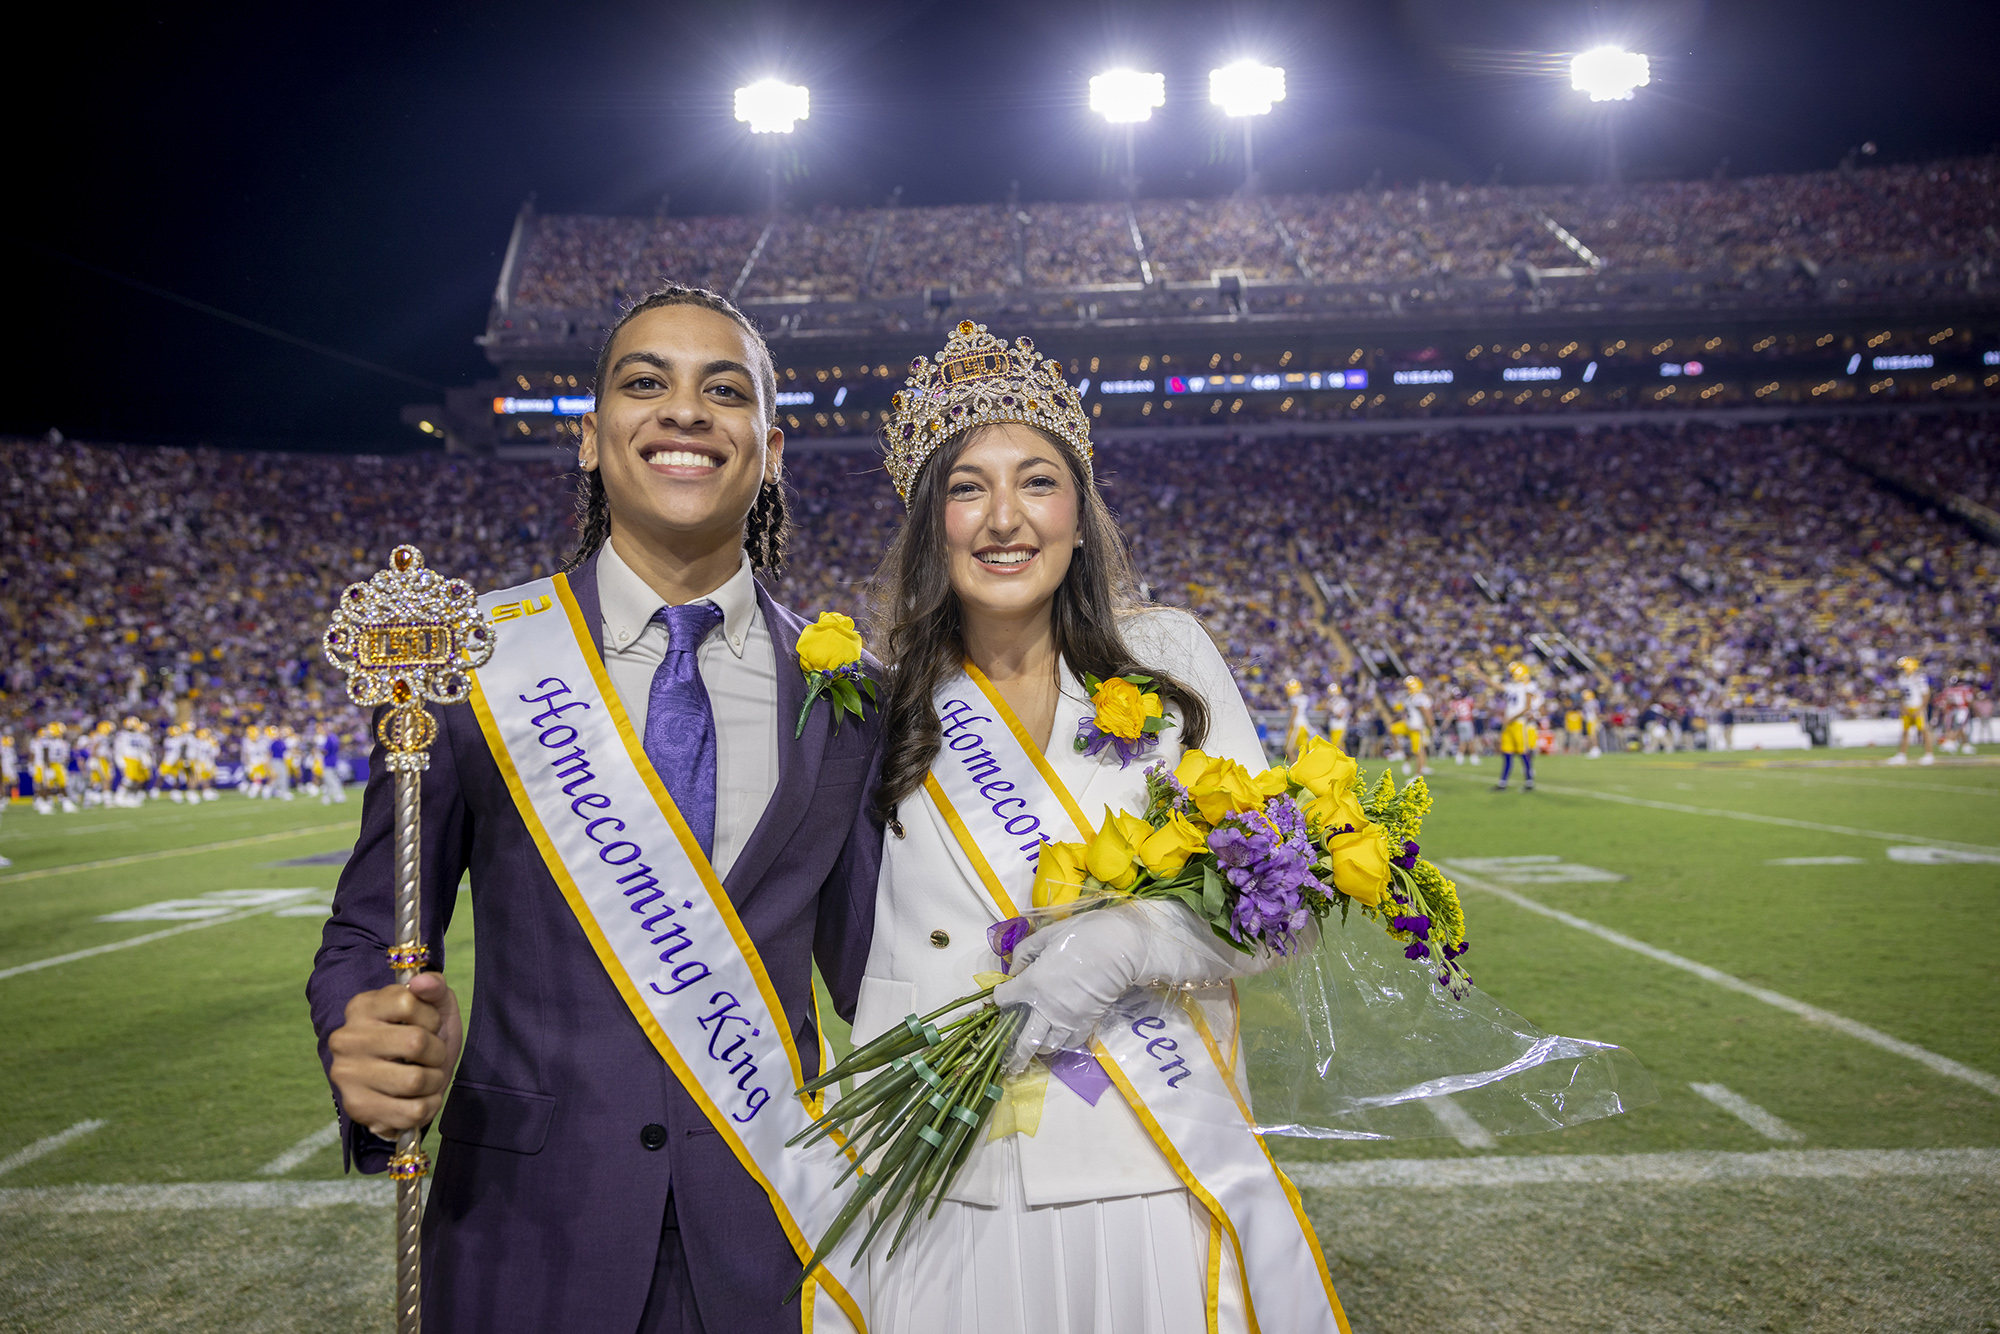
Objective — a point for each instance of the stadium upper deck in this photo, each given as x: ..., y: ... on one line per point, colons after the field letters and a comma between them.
x: 1403, y: 301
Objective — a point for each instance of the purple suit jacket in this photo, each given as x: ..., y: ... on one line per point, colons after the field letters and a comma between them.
x: 546, y: 1206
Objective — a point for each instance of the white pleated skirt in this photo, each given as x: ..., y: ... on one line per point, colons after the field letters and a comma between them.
x: 1144, y: 1264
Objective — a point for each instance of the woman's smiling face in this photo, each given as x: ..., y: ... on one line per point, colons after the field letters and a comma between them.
x: 1010, y: 521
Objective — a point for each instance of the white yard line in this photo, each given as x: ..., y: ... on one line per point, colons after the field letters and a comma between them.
x: 137, y: 858
x: 1458, y: 1124
x: 1812, y: 1014
x: 127, y: 944
x: 1748, y: 1112
x: 42, y: 1148
x: 325, y: 1137
x: 1761, y: 819
x: 203, y: 1195
x: 1668, y: 1169
x: 1665, y: 1169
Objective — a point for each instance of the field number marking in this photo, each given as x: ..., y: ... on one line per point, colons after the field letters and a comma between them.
x: 146, y: 939
x: 1748, y: 1112
x: 1818, y: 861
x: 1537, y: 870
x: 325, y: 1137
x: 215, y: 903
x: 1812, y: 1014
x: 1928, y: 856
x: 42, y: 1148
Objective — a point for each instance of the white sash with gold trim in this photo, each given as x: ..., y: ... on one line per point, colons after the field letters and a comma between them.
x: 1000, y: 798
x: 656, y: 914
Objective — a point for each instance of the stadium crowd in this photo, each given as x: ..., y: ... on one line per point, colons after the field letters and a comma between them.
x: 1699, y: 566
x: 1769, y: 233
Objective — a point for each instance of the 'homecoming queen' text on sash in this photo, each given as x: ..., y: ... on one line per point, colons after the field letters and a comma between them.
x: 656, y: 914
x: 1000, y: 798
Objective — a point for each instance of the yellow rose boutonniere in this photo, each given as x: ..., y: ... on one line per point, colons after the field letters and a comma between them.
x: 1129, y: 718
x: 830, y: 656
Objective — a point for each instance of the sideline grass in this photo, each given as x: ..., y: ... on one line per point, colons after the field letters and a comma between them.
x: 197, y: 1051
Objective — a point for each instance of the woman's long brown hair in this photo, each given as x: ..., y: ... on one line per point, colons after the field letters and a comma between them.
x: 925, y: 642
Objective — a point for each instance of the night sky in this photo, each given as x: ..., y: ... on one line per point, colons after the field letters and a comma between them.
x: 349, y: 173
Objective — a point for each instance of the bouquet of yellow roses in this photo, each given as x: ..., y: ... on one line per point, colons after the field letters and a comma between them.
x: 1259, y: 857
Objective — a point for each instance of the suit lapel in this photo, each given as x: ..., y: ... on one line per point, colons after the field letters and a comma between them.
x: 798, y: 757
x: 583, y: 587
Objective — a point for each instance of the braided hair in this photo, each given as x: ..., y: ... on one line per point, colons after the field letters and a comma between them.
x: 769, y: 523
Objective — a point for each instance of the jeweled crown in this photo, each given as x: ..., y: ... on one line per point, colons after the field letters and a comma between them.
x: 979, y: 380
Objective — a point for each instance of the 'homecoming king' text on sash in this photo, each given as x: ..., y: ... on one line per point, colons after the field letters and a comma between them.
x: 656, y: 914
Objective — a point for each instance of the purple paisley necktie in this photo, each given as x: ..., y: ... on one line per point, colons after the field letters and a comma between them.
x: 680, y: 724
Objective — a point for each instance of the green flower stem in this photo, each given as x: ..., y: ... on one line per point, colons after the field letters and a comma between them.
x: 898, y: 1041
x: 983, y: 1106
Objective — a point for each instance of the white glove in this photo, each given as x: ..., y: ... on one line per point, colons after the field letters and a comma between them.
x: 1070, y: 973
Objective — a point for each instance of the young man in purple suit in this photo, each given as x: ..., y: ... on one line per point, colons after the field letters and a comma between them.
x: 580, y: 1184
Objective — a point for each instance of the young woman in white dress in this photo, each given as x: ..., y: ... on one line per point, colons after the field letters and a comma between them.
x: 1011, y: 562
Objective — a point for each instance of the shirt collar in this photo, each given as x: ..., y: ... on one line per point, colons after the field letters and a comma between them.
x: 629, y: 603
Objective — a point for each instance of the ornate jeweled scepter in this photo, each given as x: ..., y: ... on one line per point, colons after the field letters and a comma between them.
x: 406, y: 636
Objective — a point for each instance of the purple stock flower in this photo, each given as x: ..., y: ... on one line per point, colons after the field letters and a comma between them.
x: 1270, y: 873
x: 1408, y: 861
x: 1418, y: 952
x: 1416, y: 926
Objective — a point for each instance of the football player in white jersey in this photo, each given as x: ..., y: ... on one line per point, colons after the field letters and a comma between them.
x: 1461, y: 711
x: 1300, y: 729
x: 256, y: 761
x: 132, y: 757
x: 51, y: 759
x: 94, y: 757
x: 203, y: 751
x: 1916, y: 688
x: 1517, y: 725
x: 1420, y: 722
x: 173, y: 761
x: 1338, y: 710
x: 1591, y: 712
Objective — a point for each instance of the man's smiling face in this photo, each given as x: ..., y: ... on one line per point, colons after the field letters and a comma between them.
x: 681, y: 434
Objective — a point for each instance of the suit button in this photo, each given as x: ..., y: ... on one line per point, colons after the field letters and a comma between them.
x: 653, y: 1136
x: 940, y: 938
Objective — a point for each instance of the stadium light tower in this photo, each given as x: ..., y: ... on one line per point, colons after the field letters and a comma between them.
x: 770, y: 106
x: 1249, y: 90
x: 1609, y: 73
x: 1127, y: 97
x: 773, y: 107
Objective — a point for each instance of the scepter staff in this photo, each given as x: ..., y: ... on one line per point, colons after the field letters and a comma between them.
x: 402, y: 638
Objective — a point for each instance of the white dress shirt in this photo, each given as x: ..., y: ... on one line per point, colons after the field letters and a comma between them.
x: 738, y: 666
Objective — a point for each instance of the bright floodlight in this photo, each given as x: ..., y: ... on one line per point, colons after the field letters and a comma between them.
x: 771, y: 107
x: 1123, y: 96
x: 1609, y: 74
x: 1246, y: 88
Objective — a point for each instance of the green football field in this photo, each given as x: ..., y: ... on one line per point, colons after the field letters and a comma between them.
x: 1798, y: 947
